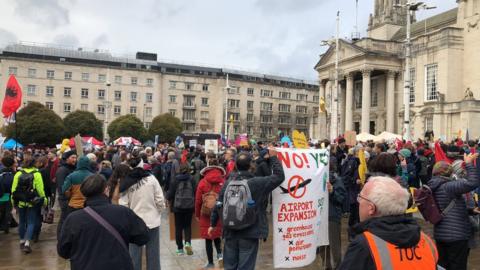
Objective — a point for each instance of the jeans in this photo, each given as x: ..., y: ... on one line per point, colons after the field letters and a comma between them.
x: 240, y: 254
x: 153, y: 251
x: 453, y: 255
x: 209, y: 248
x: 63, y: 215
x: 38, y: 225
x: 332, y: 252
x: 183, y: 225
x: 28, y: 220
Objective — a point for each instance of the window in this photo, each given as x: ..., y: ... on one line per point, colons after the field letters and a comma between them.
x: 101, y: 94
x: 205, y: 87
x: 250, y: 117
x: 68, y: 75
x: 266, y: 93
x: 173, y: 84
x: 267, y: 131
x: 284, y: 119
x: 413, y: 78
x: 147, y: 125
x: 31, y: 90
x: 204, y: 115
x: 301, y: 109
x: 133, y: 96
x: 101, y: 109
x: 102, y: 78
x: 188, y: 115
x: 431, y: 82
x: 249, y: 130
x: 172, y: 99
x: 12, y: 70
x: 301, y: 121
x: 117, y: 110
x: 316, y: 99
x: 49, y: 105
x: 250, y: 91
x: 118, y: 79
x: 284, y: 95
x: 50, y: 74
x: 233, y: 116
x: 429, y: 124
x: 189, y: 101
x: 32, y: 73
x: 266, y: 118
x: 233, y: 103
x: 67, y: 92
x: 204, y: 101
x: 283, y: 107
x: 149, y: 82
x: 188, y: 86
x: 374, y: 94
x: 134, y: 80
x: 133, y: 110
x: 49, y: 91
x: 67, y: 107
x: 84, y: 93
x: 265, y: 106
x: 148, y: 111
x: 302, y: 97
x: 358, y: 95
x: 234, y: 90
x: 85, y: 77
x: 172, y: 112
x: 84, y: 107
x: 250, y: 105
x: 118, y: 95
x: 148, y: 97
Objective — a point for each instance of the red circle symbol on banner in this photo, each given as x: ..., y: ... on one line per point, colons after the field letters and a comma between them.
x: 294, y: 188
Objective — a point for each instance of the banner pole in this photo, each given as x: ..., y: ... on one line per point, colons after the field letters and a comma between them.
x: 16, y: 139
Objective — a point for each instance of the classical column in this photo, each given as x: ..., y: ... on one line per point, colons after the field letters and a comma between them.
x: 365, y: 127
x: 390, y: 101
x: 322, y: 119
x: 349, y: 103
x: 322, y: 90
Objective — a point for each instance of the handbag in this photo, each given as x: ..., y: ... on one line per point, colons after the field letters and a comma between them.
x: 106, y: 225
x: 48, y: 215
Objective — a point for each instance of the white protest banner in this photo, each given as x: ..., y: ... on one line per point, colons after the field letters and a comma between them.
x: 211, y: 145
x: 192, y: 143
x: 300, y: 207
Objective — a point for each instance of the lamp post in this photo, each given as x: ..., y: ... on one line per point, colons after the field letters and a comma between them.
x: 227, y: 89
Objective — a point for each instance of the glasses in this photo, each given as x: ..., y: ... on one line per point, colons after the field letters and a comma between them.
x: 361, y: 197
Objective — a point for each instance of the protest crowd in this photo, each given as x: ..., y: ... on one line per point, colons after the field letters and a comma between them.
x: 108, y: 200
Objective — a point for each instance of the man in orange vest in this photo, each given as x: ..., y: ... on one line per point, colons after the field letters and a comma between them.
x: 386, y: 239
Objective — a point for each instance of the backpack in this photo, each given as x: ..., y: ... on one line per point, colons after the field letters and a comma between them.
x: 239, y: 210
x: 166, y: 174
x: 209, y: 200
x: 25, y: 191
x: 428, y: 207
x: 6, y: 180
x: 184, y: 195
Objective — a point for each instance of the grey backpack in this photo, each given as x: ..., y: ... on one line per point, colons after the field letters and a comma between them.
x: 239, y: 209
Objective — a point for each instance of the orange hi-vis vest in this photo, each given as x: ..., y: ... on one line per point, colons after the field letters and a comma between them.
x: 387, y: 256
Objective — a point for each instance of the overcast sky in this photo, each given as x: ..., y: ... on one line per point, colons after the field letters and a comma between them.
x: 268, y: 36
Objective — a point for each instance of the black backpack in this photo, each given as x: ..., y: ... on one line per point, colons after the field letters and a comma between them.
x: 184, y: 195
x: 6, y: 179
x: 25, y: 191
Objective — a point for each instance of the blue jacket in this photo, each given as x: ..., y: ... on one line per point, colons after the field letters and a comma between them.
x: 336, y: 198
x: 455, y: 226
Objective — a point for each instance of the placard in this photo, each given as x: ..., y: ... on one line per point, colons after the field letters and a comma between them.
x: 299, y: 140
x: 350, y: 138
x: 211, y: 145
x: 192, y: 143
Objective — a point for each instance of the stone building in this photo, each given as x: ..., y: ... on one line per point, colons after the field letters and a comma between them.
x: 67, y: 79
x: 445, y: 77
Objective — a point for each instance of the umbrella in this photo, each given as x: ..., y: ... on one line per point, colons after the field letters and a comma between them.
x: 10, y: 144
x: 126, y: 141
x: 387, y: 136
x: 86, y: 140
x: 363, y: 137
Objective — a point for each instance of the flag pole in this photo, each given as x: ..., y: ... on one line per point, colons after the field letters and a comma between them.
x: 16, y: 139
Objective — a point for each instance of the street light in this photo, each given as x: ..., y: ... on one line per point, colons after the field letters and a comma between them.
x: 411, y: 6
x: 227, y: 90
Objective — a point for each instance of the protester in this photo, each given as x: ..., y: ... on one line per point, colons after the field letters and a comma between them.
x: 209, y: 187
x: 453, y: 231
x: 229, y: 162
x: 41, y: 163
x: 89, y: 244
x: 66, y: 167
x: 385, y: 238
x: 141, y: 192
x: 106, y: 169
x: 28, y: 201
x: 6, y: 182
x: 120, y: 172
x: 241, y: 246
x: 181, y: 196
x: 71, y: 186
x: 351, y: 179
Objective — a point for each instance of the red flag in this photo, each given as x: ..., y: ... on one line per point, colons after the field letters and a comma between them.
x: 13, y: 97
x: 440, y: 155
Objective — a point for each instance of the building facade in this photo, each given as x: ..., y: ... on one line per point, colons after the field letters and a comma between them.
x: 66, y: 80
x: 444, y: 85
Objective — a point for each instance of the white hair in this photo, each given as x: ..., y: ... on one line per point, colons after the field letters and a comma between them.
x: 388, y: 196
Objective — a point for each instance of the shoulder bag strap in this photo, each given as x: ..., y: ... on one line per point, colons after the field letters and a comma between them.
x: 106, y: 225
x: 449, y: 206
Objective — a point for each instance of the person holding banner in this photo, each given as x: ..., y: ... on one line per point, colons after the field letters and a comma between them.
x: 241, y: 245
x: 385, y: 238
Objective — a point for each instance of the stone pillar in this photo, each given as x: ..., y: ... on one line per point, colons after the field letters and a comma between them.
x: 322, y: 119
x: 390, y: 101
x: 366, y: 92
x: 322, y: 90
x: 349, y: 103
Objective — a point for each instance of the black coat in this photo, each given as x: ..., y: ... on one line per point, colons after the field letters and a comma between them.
x: 173, y: 189
x: 63, y: 171
x: 262, y: 167
x: 402, y: 231
x: 89, y: 245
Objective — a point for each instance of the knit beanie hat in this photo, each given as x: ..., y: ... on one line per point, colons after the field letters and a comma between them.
x: 405, y: 153
x: 442, y: 168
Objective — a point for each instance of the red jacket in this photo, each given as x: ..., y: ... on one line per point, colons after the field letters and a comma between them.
x: 213, y: 179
